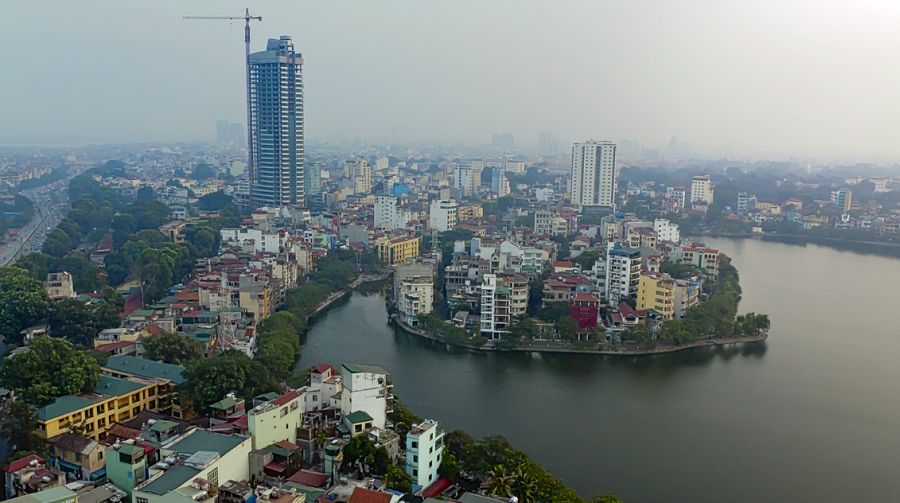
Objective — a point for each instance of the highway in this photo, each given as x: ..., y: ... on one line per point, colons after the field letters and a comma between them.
x: 48, y: 213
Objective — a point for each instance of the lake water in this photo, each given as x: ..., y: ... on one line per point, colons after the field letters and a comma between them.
x: 811, y: 415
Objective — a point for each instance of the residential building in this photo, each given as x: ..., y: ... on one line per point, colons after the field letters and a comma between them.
x: 276, y: 135
x: 842, y: 199
x: 255, y: 294
x: 623, y: 269
x: 312, y: 180
x: 416, y: 298
x: 495, y: 307
x: 199, y: 461
x: 276, y: 420
x: 699, y: 256
x: 687, y: 295
x: 30, y: 474
x: 666, y: 231
x: 367, y: 388
x: 543, y: 222
x: 442, y: 215
x: 389, y: 215
x: 743, y: 203
x: 701, y: 189
x: 594, y: 174
x: 398, y: 250
x: 360, y: 173
x: 469, y: 212
x: 657, y: 292
x: 126, y: 466
x: 82, y: 457
x: 424, y: 452
x: 585, y: 309
x: 466, y: 179
x: 409, y: 270
x: 59, y: 285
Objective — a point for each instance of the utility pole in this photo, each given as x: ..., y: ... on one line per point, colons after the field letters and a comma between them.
x: 251, y: 172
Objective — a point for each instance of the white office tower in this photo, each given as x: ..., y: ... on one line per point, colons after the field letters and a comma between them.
x: 701, y: 189
x: 389, y: 215
x: 465, y: 179
x: 594, y: 174
x: 499, y: 182
x: 442, y: 215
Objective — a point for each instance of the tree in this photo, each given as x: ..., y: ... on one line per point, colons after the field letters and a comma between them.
x: 526, y: 330
x: 214, y: 201
x: 449, y: 466
x: 170, y: 347
x: 554, y: 311
x: 208, y: 380
x: 499, y: 482
x: 23, y: 302
x: 20, y: 428
x: 57, y: 243
x: 145, y: 194
x: 74, y: 321
x: 49, y: 369
x: 567, y: 328
x: 359, y: 455
x: 203, y: 171
x: 398, y: 480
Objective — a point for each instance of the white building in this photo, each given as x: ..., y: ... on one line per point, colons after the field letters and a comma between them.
x: 701, y: 189
x: 424, y: 452
x: 666, y: 231
x: 543, y: 194
x: 277, y: 420
x: 361, y: 173
x: 389, y: 215
x: 678, y: 194
x: 543, y: 222
x: 382, y: 163
x: 416, y: 297
x: 366, y: 388
x: 252, y: 240
x: 466, y: 179
x: 442, y: 215
x: 623, y: 270
x: 515, y: 167
x: 594, y: 174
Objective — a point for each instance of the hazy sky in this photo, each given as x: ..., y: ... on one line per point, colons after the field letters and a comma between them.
x: 771, y: 77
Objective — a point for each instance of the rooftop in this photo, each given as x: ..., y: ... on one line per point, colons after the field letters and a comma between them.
x: 202, y: 440
x: 116, y: 386
x: 172, y: 479
x: 145, y: 368
x: 64, y: 405
x: 356, y: 368
x: 358, y: 416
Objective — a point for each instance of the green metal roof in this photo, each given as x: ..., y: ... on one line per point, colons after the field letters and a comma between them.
x: 311, y: 493
x: 54, y: 495
x: 225, y: 403
x: 162, y: 426
x: 145, y: 368
x: 63, y: 405
x: 202, y: 440
x: 357, y: 368
x: 129, y: 449
x: 116, y: 386
x: 174, y: 478
x: 142, y: 313
x: 358, y: 417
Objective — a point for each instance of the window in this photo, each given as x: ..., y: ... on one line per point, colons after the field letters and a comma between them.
x: 141, y: 499
x: 415, y: 444
x: 284, y: 411
x: 415, y: 458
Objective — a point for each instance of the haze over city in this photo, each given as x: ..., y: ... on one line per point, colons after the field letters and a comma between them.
x: 783, y: 79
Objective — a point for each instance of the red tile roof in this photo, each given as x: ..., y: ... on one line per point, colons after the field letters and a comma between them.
x: 113, y: 346
x: 287, y: 397
x: 22, y: 463
x: 322, y: 368
x: 361, y: 495
x: 309, y: 478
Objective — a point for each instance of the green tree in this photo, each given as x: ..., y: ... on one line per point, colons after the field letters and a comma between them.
x: 145, y: 194
x: 208, y: 380
x: 23, y: 302
x: 449, y: 466
x: 49, y: 369
x: 57, y: 243
x: 74, y: 321
x: 359, y: 455
x: 499, y: 482
x: 397, y: 479
x: 567, y: 328
x: 170, y: 347
x: 214, y: 201
x: 526, y: 330
x: 203, y: 171
x: 20, y: 428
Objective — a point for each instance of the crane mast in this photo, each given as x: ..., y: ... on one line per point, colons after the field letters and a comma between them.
x: 251, y: 167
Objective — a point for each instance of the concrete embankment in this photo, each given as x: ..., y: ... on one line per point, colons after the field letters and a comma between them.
x: 561, y: 347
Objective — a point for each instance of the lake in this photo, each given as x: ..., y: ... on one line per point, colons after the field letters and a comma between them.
x: 812, y: 414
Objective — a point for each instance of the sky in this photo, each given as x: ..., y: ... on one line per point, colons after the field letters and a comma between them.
x: 774, y: 78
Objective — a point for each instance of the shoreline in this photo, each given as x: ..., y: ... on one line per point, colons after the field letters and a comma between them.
x: 334, y: 297
x: 883, y: 248
x: 565, y: 348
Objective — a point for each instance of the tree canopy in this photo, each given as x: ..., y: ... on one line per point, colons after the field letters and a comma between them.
x: 170, y: 347
x: 49, y: 369
x: 23, y: 303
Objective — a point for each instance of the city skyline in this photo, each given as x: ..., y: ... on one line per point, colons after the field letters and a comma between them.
x: 730, y: 79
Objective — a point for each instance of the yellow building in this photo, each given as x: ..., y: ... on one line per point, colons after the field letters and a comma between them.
x: 657, y: 292
x: 115, y: 399
x: 398, y: 250
x: 469, y: 212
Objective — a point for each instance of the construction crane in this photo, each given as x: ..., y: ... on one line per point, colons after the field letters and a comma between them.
x: 250, y: 160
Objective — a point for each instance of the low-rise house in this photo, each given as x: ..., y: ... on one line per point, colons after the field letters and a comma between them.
x: 79, y: 456
x: 59, y: 285
x: 30, y: 474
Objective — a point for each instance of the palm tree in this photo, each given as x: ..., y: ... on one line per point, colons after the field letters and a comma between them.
x: 524, y: 485
x: 499, y: 482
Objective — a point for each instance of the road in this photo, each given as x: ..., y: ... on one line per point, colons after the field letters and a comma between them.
x: 48, y: 213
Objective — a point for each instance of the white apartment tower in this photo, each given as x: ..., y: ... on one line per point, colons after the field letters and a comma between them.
x: 389, y: 215
x: 442, y: 215
x: 701, y: 189
x: 360, y: 173
x: 466, y: 179
x: 594, y: 174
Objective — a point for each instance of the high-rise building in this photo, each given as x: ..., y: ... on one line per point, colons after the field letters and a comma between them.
x: 623, y: 270
x: 503, y: 140
x: 594, y: 174
x: 465, y: 179
x: 442, y: 215
x: 223, y: 133
x: 276, y: 107
x: 499, y: 182
x: 548, y: 144
x: 359, y: 171
x: 701, y: 189
x: 388, y: 213
x: 312, y: 179
x: 743, y: 201
x: 842, y: 199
